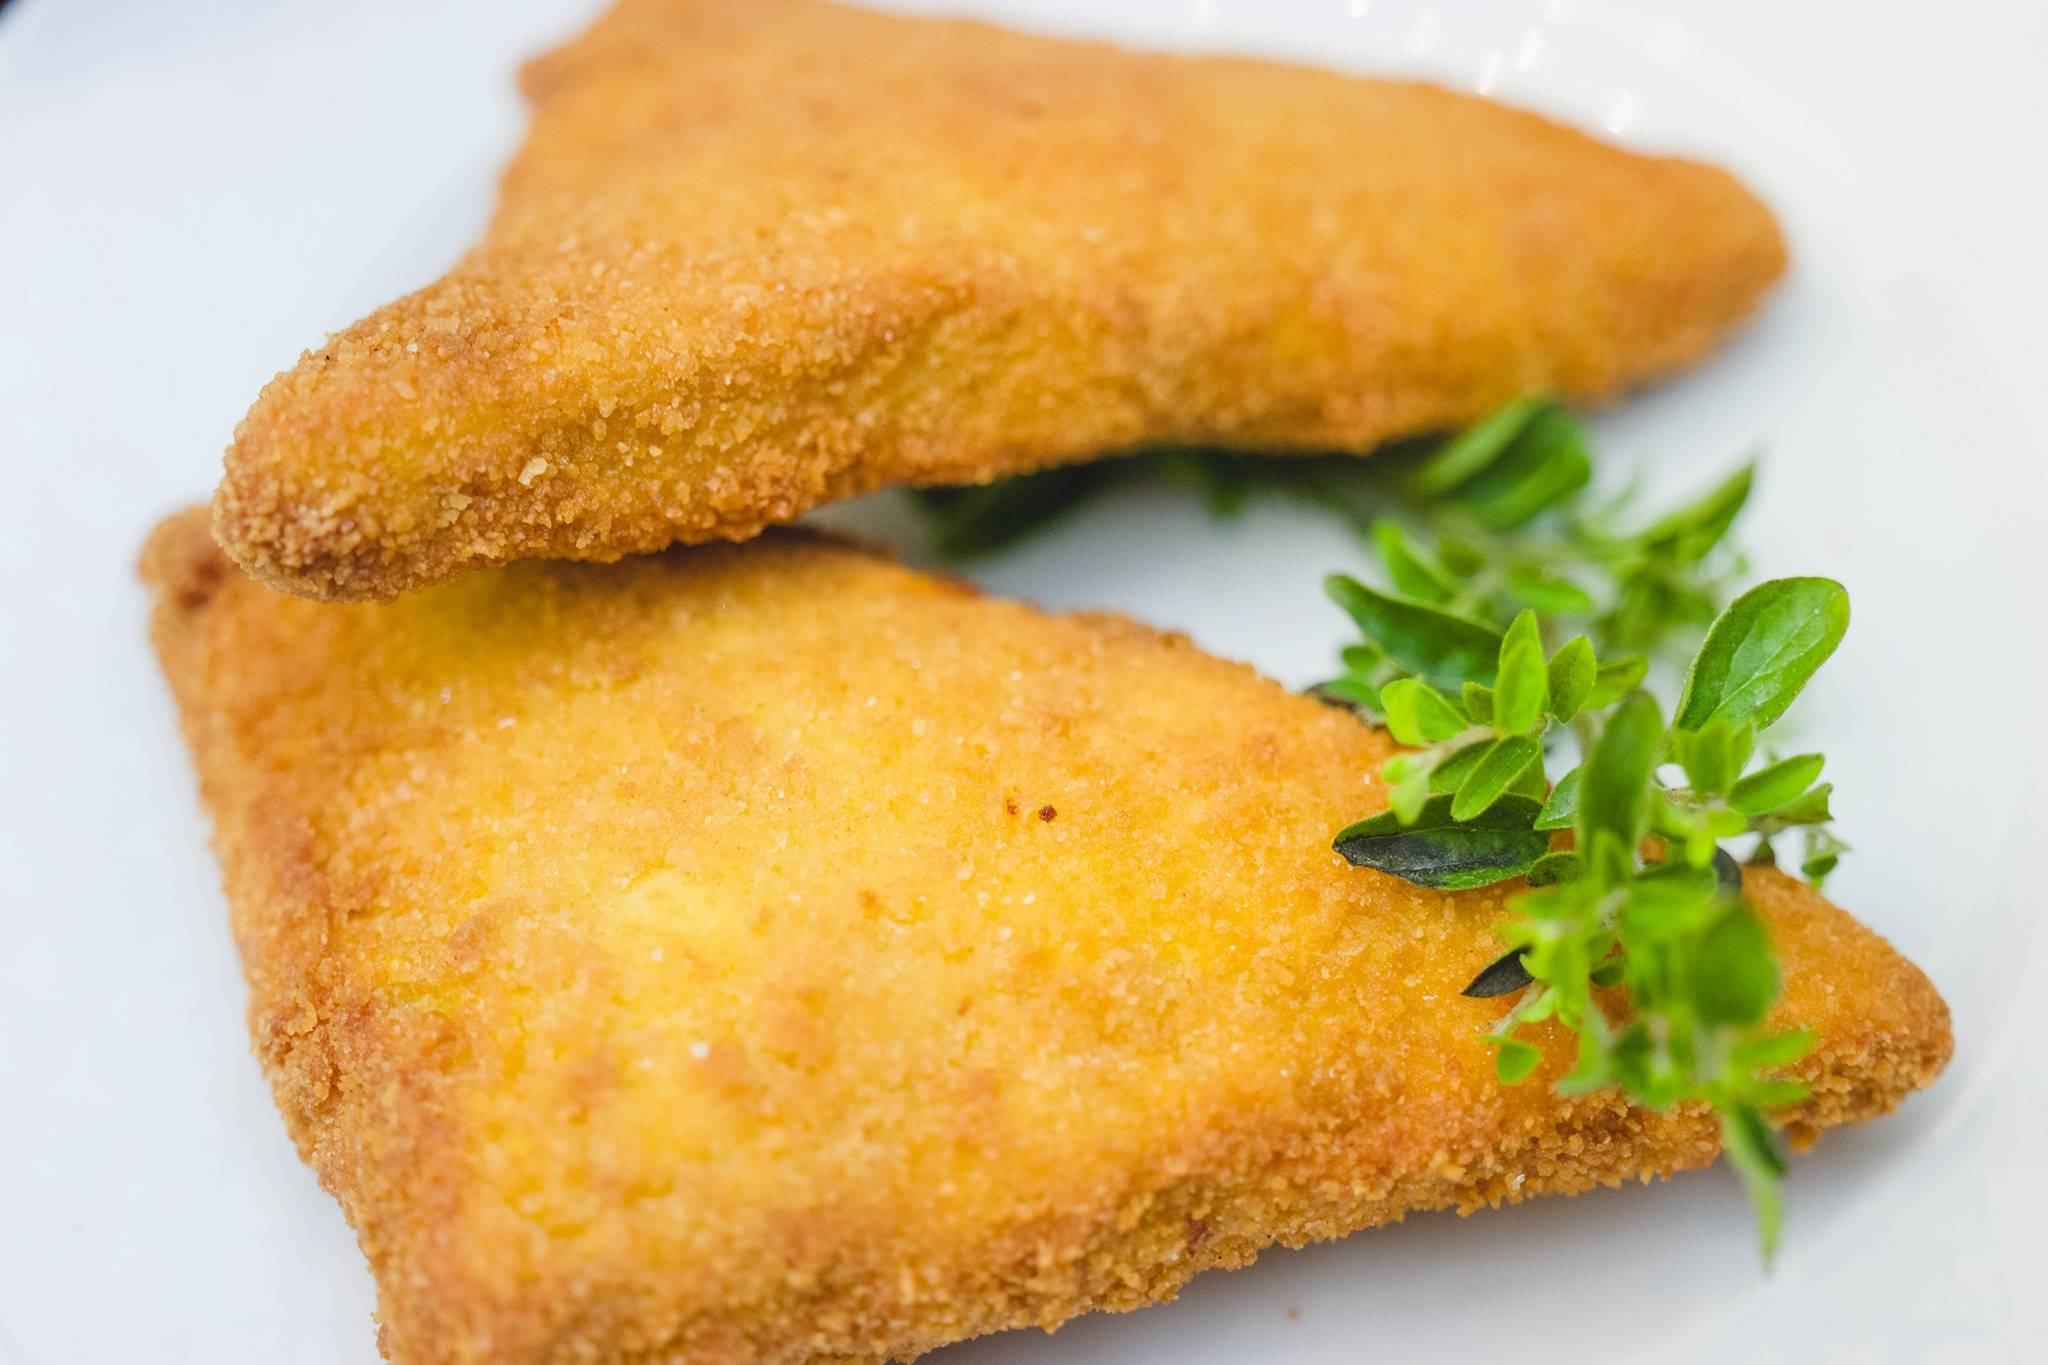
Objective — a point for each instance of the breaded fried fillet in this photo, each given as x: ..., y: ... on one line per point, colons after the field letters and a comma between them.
x: 760, y: 254
x: 769, y: 954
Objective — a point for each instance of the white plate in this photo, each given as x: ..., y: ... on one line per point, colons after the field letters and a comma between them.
x: 190, y: 194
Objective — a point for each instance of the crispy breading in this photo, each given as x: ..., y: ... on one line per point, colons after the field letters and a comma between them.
x: 760, y: 254
x: 769, y: 954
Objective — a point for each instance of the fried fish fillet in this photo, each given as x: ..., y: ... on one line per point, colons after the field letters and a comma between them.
x: 760, y: 254
x: 769, y: 954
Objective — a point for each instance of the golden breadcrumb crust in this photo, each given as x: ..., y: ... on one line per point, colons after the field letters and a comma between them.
x: 769, y: 954
x: 756, y: 255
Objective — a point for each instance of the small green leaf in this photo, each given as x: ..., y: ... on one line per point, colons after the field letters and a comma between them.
x: 1735, y: 976
x: 1760, y: 651
x: 1613, y: 797
x: 1780, y: 784
x: 1811, y: 807
x: 1444, y: 649
x: 1459, y: 557
x: 1727, y: 874
x: 1417, y: 713
x: 1676, y: 934
x: 1550, y: 595
x: 1504, y: 761
x: 1352, y: 693
x: 1667, y: 902
x: 1753, y: 1152
x: 1561, y: 810
x: 1547, y: 464
x: 1708, y: 756
x: 1592, y: 1070
x: 970, y: 522
x: 1534, y: 783
x: 1562, y: 865
x: 1452, y: 772
x: 1478, y: 702
x: 1767, y: 1094
x: 1447, y: 855
x: 1219, y: 479
x: 1521, y: 684
x: 1687, y: 533
x: 1407, y: 777
x: 1362, y: 660
x: 1547, y: 902
x: 1502, y: 976
x: 1477, y: 446
x: 1616, y: 678
x: 1524, y: 629
x: 1513, y: 1059
x: 1410, y: 570
x: 1823, y: 852
x: 1741, y: 744
x: 1572, y: 672
x: 1772, y: 1051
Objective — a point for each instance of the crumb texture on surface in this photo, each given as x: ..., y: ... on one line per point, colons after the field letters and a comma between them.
x: 757, y: 255
x: 769, y: 954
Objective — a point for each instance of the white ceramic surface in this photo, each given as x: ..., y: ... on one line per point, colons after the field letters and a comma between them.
x: 191, y: 193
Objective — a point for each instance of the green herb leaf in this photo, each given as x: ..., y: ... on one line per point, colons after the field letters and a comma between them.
x: 1616, y: 678
x: 1780, y: 784
x: 1668, y: 901
x: 1551, y: 595
x: 1753, y: 1152
x: 1513, y: 1059
x: 1504, y: 761
x: 1561, y: 865
x: 1478, y: 446
x: 1352, y: 693
x: 1561, y: 810
x: 1478, y: 703
x: 1417, y: 713
x: 1727, y: 874
x: 1518, y: 552
x: 1546, y: 465
x: 1503, y: 976
x: 1687, y: 533
x: 1440, y: 647
x: 1572, y: 672
x: 1812, y: 807
x: 968, y: 523
x: 1760, y: 652
x: 1823, y: 851
x: 1408, y: 778
x: 1736, y: 978
x: 1613, y: 800
x: 1452, y: 772
x: 1218, y: 479
x: 1521, y: 683
x: 1445, y: 854
x: 1362, y: 660
x: 1459, y: 557
x: 1411, y: 571
x: 1713, y: 755
x: 1773, y: 1050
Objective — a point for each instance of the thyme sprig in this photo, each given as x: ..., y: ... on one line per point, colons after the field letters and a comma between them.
x: 1490, y: 684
